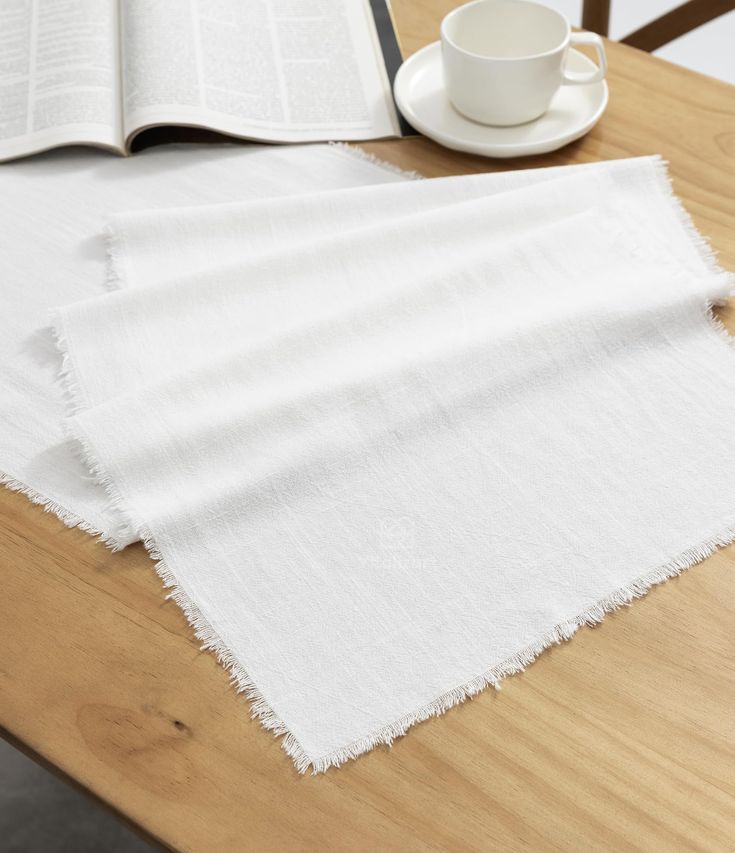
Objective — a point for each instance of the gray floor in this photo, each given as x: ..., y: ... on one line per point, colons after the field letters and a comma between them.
x: 41, y: 814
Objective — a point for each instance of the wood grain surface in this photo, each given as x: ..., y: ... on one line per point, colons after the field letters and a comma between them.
x: 622, y: 739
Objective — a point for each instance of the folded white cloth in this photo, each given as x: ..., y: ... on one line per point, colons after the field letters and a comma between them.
x: 387, y: 444
x: 52, y: 252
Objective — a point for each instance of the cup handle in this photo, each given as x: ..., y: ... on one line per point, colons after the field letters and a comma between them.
x: 576, y: 78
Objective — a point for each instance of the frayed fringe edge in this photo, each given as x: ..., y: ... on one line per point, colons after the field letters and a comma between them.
x: 361, y: 154
x: 706, y: 253
x: 66, y: 516
x: 720, y: 328
x: 74, y: 402
x: 518, y: 662
x: 701, y: 244
x: 72, y: 394
x: 70, y: 519
x: 203, y: 631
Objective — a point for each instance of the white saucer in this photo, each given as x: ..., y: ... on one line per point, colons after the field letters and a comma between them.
x: 420, y: 95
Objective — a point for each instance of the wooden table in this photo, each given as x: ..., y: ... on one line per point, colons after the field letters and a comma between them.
x: 623, y: 739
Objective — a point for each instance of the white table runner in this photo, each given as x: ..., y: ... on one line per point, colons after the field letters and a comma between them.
x: 387, y: 444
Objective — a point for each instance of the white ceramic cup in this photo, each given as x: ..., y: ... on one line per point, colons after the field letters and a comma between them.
x: 504, y: 59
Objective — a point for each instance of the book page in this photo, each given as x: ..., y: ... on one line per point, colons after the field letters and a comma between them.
x: 59, y: 73
x: 279, y: 70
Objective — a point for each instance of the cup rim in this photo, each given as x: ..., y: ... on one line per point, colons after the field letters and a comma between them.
x: 459, y: 9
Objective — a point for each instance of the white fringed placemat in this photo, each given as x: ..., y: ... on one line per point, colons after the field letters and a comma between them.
x: 387, y: 444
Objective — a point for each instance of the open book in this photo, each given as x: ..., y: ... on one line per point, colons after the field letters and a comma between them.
x: 98, y: 72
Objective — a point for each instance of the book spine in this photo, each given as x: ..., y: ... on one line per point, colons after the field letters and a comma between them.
x: 391, y: 51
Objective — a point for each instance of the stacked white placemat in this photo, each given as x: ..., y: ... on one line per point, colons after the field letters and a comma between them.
x: 388, y: 443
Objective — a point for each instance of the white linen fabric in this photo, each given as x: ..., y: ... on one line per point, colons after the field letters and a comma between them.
x: 52, y: 209
x: 389, y: 443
